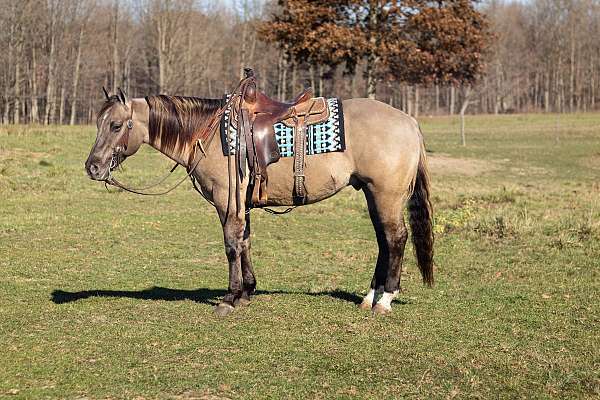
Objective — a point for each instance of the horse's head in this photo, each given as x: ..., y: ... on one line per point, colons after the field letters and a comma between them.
x: 120, y: 134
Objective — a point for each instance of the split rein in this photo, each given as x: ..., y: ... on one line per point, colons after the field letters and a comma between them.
x: 111, y: 180
x: 114, y: 162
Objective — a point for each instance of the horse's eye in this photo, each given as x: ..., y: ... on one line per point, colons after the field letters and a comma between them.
x: 115, y: 127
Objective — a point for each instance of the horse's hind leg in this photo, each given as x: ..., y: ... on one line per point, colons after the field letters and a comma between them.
x: 386, y: 212
x: 249, y: 281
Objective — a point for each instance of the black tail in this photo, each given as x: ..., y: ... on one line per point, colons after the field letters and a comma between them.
x: 421, y: 219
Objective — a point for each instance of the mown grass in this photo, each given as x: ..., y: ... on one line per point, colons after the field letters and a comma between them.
x: 109, y: 295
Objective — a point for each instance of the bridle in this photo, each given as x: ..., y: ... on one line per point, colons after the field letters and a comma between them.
x: 121, y: 146
x: 209, y: 132
x: 123, y: 142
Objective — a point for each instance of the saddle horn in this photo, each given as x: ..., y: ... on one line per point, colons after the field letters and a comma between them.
x: 105, y: 93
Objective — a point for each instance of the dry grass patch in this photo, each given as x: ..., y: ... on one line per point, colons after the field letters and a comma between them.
x: 443, y: 164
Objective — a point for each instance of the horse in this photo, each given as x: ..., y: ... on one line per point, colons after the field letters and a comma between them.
x: 384, y: 157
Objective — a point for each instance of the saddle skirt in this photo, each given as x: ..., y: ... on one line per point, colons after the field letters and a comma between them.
x: 323, y: 135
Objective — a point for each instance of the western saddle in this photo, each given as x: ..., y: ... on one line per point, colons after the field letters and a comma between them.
x: 256, y: 114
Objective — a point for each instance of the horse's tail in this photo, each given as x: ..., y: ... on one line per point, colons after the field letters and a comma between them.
x: 421, y: 218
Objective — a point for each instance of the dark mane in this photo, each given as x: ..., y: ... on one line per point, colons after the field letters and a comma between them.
x: 176, y: 121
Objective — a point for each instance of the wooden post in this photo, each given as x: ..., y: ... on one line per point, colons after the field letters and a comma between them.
x: 466, y: 91
x: 416, y: 102
x: 452, y: 99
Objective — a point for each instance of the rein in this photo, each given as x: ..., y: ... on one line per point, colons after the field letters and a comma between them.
x: 122, y: 146
x: 209, y: 132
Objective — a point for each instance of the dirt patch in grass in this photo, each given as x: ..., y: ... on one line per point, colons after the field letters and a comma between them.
x: 20, y: 153
x: 592, y: 161
x: 443, y: 164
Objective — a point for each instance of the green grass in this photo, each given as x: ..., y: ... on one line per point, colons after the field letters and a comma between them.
x: 110, y: 295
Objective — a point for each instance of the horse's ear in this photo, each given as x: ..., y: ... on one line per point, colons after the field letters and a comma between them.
x: 122, y: 96
x: 105, y: 93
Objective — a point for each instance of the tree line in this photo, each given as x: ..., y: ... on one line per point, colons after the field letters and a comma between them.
x: 420, y: 56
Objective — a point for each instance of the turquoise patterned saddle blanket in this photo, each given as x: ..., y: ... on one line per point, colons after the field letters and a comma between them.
x: 325, y: 137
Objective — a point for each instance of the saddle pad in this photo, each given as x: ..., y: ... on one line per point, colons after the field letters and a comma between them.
x: 325, y: 137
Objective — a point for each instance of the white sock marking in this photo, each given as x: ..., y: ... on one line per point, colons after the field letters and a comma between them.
x: 369, y: 297
x: 386, y: 299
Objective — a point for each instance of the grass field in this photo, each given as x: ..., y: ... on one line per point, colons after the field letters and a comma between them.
x: 109, y: 295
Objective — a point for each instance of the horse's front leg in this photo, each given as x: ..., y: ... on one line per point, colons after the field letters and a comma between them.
x: 249, y: 281
x: 234, y: 226
x: 233, y: 233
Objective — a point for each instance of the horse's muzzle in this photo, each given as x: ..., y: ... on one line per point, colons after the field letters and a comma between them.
x: 95, y: 171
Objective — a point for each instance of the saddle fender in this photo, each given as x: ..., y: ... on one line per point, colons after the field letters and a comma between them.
x: 267, y: 150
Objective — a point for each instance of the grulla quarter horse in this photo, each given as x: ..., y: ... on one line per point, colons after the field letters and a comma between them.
x: 384, y: 157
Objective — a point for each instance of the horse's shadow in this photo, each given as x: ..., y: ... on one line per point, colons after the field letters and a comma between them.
x: 201, y: 295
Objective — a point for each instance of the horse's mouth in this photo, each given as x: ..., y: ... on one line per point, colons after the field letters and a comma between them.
x: 116, y: 160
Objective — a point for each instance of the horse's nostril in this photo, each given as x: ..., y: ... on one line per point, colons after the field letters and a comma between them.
x: 94, y: 168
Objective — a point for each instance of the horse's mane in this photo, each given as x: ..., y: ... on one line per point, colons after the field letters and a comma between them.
x: 176, y: 122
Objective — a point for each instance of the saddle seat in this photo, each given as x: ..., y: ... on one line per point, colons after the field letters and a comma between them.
x: 265, y: 104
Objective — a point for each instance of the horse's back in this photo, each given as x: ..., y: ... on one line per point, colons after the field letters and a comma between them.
x: 382, y: 148
x: 384, y: 142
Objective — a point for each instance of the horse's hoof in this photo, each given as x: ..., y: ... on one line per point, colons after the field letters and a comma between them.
x: 381, y: 310
x: 241, y: 302
x: 365, y: 305
x: 223, y: 309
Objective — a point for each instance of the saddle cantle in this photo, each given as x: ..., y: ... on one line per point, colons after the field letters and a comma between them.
x: 255, y: 115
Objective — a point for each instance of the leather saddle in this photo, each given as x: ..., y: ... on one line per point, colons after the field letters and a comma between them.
x: 256, y: 113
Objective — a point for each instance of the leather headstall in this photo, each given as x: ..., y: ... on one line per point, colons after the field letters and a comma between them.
x: 121, y: 146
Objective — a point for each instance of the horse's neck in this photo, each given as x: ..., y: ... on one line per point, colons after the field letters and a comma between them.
x: 182, y: 159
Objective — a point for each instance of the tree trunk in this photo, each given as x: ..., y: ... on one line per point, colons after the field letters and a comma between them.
x: 34, y: 100
x: 50, y: 88
x: 61, y: 113
x: 252, y: 51
x: 466, y: 93
x: 409, y: 100
x: 160, y: 44
x: 244, y: 40
x: 127, y: 72
x: 90, y: 110
x: 403, y: 98
x: 312, y: 76
x: 17, y: 116
x: 284, y: 77
x: 187, y: 85
x: 76, y: 78
x: 417, y: 101
x: 572, y: 71
x: 294, y: 78
x: 547, y: 93
x: 437, y: 99
x: 452, y: 98
x: 115, y: 44
x: 321, y: 71
x: 279, y: 74
x: 592, y: 85
x: 8, y: 76
x: 372, y: 57
x: 371, y: 79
